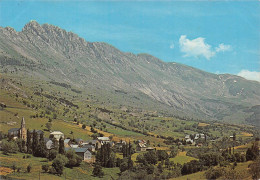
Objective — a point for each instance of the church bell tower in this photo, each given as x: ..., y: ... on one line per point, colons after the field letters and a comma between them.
x: 23, y: 132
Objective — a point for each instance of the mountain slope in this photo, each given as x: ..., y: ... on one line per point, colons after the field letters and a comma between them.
x: 52, y: 54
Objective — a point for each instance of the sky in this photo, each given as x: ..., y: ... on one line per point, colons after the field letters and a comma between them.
x: 215, y: 36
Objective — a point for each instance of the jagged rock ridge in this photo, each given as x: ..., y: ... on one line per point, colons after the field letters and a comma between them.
x: 63, y: 56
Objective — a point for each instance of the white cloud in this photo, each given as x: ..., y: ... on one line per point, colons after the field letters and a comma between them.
x: 172, y: 46
x: 222, y: 48
x: 196, y: 47
x: 250, y: 75
x: 199, y: 48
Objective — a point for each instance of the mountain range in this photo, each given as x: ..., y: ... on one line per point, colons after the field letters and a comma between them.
x: 52, y: 54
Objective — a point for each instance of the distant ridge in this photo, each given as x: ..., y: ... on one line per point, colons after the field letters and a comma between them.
x: 54, y: 54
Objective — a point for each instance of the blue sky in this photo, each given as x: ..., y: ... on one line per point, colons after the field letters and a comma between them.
x: 216, y: 36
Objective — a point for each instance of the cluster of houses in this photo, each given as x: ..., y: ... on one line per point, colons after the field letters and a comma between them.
x: 85, y: 149
x: 192, y: 139
x: 143, y: 146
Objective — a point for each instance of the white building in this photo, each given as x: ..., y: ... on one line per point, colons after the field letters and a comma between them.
x: 103, y: 140
x: 87, y: 155
x: 57, y: 135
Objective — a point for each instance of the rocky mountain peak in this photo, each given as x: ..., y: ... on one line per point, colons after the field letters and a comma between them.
x: 32, y: 26
x: 66, y: 57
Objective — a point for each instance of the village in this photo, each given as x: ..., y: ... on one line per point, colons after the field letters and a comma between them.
x: 175, y: 156
x: 87, y: 149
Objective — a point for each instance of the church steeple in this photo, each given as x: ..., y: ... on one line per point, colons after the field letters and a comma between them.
x: 23, y: 132
x: 23, y: 123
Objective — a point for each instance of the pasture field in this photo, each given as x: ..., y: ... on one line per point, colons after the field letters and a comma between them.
x: 182, y: 158
x: 203, y: 124
x: 84, y: 171
x: 195, y: 176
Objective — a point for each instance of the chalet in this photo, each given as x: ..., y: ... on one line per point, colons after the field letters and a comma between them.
x: 119, y: 145
x: 84, y: 153
x: 142, y: 141
x: 79, y: 141
x: 202, y: 136
x: 141, y: 147
x: 57, y: 135
x: 88, y: 156
x: 95, y: 143
x: 89, y: 147
x: 103, y: 140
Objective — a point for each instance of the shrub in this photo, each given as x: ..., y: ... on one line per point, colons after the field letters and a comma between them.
x: 123, y: 166
x: 73, y: 159
x: 52, y: 155
x: 45, y: 167
x: 9, y: 147
x: 29, y: 167
x: 59, y: 163
x: 14, y: 167
x: 97, y: 171
x: 52, y: 170
x: 214, y: 173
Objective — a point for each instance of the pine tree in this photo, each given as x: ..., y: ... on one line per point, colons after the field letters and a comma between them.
x: 130, y: 163
x: 61, y: 146
x: 97, y: 171
x: 234, y: 136
x: 23, y: 145
x: 41, y: 147
x: 29, y: 142
x: 55, y: 144
x: 35, y: 142
x: 127, y: 150
x: 124, y: 150
x: 105, y: 157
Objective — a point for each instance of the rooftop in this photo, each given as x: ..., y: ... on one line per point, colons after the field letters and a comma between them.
x: 66, y: 140
x: 77, y: 150
x: 13, y: 129
x: 56, y: 132
x: 103, y: 138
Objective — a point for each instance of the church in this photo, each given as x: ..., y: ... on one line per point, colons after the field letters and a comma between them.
x: 18, y: 132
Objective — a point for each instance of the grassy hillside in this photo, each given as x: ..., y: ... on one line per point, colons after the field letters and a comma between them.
x: 42, y: 101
